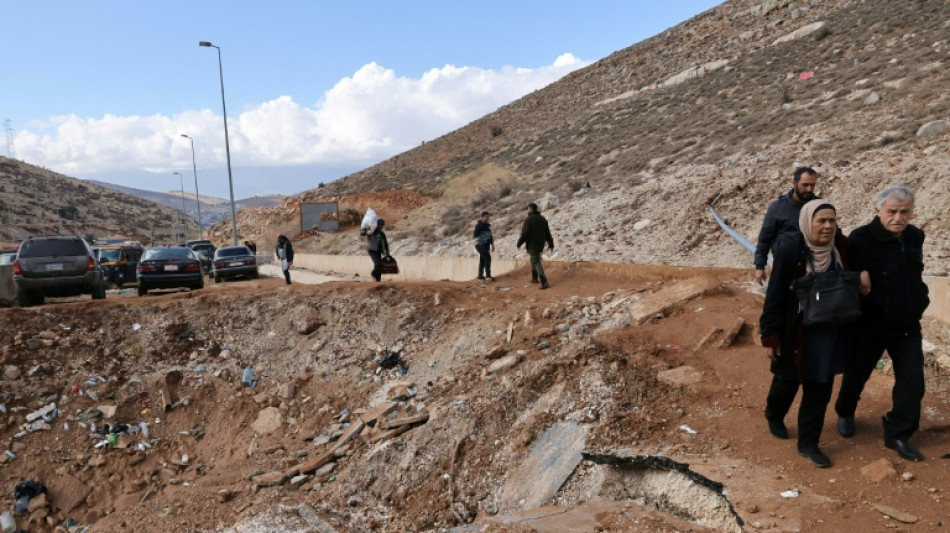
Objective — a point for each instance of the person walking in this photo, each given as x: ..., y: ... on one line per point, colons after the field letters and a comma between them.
x: 806, y: 356
x: 781, y: 218
x: 534, y: 234
x: 889, y: 253
x: 378, y: 247
x: 484, y: 245
x: 285, y: 252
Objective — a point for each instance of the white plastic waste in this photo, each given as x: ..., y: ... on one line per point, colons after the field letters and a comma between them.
x: 369, y: 220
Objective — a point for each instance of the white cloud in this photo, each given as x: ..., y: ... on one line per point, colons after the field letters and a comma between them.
x: 364, y: 118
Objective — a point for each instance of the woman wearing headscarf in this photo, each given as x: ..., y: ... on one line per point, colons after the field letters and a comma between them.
x: 806, y: 356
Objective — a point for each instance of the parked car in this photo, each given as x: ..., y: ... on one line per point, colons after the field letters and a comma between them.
x: 120, y: 262
x: 234, y: 262
x: 169, y: 268
x: 56, y: 266
x: 7, y: 257
x: 206, y: 251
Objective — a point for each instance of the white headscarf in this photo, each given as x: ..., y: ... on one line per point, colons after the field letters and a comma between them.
x: 821, y: 255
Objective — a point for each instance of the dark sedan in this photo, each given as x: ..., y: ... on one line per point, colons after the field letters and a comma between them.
x: 169, y: 268
x: 234, y: 262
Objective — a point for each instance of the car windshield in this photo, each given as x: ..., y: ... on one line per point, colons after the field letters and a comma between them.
x: 168, y: 253
x: 233, y: 251
x: 110, y: 255
x: 53, y: 248
x: 206, y: 249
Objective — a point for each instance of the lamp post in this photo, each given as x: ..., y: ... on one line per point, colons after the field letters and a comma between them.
x: 227, y: 146
x: 194, y: 168
x: 184, y: 229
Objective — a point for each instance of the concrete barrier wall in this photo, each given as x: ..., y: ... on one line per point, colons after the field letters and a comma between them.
x: 7, y: 288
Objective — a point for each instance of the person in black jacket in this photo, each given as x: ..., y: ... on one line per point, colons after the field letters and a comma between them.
x: 806, y: 356
x: 378, y: 247
x: 889, y: 251
x: 285, y: 252
x: 534, y: 234
x: 484, y: 245
x: 781, y: 218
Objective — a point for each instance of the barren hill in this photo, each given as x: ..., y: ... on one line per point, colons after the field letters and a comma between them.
x: 625, y: 155
x: 36, y: 201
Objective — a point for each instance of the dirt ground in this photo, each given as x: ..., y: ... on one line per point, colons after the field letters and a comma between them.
x: 649, y: 365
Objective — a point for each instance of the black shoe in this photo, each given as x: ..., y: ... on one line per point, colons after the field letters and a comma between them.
x: 544, y: 285
x: 480, y: 278
x: 534, y: 280
x: 815, y: 456
x: 846, y: 426
x: 777, y: 429
x: 904, y: 448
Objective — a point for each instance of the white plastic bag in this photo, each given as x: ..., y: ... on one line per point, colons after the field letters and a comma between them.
x: 369, y: 221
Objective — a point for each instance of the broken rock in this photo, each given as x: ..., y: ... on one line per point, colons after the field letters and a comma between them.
x: 896, y: 514
x: 268, y: 421
x: 506, y: 362
x: 270, y: 479
x: 879, y: 470
x: 680, y: 376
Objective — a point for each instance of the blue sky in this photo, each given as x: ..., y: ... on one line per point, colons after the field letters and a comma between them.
x: 314, y: 89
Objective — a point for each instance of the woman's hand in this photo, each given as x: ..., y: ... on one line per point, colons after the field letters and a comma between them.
x: 771, y: 354
x: 865, y: 287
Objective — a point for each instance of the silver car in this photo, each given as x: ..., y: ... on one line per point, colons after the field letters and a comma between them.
x: 56, y: 266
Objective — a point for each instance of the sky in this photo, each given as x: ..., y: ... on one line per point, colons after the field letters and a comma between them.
x: 314, y: 89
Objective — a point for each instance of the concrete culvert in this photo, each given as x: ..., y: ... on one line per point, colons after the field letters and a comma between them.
x: 668, y: 486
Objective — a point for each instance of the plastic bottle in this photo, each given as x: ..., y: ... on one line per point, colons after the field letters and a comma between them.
x: 248, y: 378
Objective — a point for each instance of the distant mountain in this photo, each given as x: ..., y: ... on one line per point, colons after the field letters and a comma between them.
x: 212, y: 209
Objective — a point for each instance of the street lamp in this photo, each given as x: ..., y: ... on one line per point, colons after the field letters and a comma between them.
x: 184, y: 229
x: 227, y: 146
x: 195, y: 169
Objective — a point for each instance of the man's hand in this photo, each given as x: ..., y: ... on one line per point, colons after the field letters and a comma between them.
x: 759, y: 276
x: 771, y: 354
x: 493, y: 248
x: 865, y: 287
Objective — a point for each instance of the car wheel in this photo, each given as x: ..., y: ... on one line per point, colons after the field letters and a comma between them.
x: 142, y: 290
x: 37, y: 298
x: 23, y: 298
x: 99, y: 293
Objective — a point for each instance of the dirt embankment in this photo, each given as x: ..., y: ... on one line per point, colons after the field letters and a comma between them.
x: 453, y: 433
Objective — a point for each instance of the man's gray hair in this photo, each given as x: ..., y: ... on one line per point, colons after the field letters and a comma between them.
x: 898, y: 193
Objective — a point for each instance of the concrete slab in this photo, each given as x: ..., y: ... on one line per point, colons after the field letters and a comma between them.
x: 555, y: 456
x: 670, y: 296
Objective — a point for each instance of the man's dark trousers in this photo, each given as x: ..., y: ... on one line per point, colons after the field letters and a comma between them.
x: 377, y: 258
x: 484, y: 260
x: 907, y: 357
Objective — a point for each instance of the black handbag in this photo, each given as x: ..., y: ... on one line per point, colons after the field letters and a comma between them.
x: 829, y: 298
x: 388, y: 265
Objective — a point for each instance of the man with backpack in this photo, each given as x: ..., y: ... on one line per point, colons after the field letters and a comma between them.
x: 484, y: 245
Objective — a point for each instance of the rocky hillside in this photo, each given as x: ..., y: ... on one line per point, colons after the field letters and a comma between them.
x: 626, y: 154
x: 36, y: 201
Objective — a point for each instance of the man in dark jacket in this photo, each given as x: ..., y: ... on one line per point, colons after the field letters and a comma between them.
x: 534, y: 234
x: 484, y: 245
x: 378, y: 247
x: 781, y: 218
x: 285, y: 252
x: 889, y: 252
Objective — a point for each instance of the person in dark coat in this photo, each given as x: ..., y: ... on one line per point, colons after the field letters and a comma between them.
x: 378, y: 247
x: 534, y: 234
x: 889, y: 252
x: 781, y: 218
x: 285, y: 252
x: 484, y: 245
x: 806, y: 356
